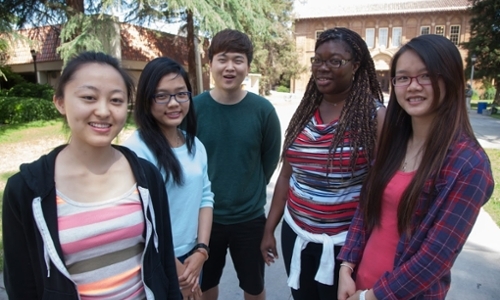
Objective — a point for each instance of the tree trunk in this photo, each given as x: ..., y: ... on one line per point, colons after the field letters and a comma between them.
x: 191, y: 52
x: 496, y: 101
x: 74, y: 7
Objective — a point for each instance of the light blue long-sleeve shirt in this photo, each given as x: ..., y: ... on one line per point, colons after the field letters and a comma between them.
x: 185, y: 201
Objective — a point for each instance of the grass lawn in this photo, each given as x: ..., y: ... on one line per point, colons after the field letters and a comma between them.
x: 493, y: 206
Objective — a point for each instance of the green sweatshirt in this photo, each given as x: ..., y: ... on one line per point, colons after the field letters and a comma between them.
x: 243, y: 146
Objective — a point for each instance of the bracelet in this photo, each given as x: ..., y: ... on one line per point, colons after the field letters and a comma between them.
x: 362, y: 295
x: 202, y: 251
x: 346, y: 265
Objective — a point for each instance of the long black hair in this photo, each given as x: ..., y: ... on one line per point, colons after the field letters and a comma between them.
x: 149, y: 130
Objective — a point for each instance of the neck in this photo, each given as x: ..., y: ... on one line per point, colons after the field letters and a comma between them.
x: 97, y: 159
x: 228, y: 96
x: 337, y: 99
x: 421, y: 128
x: 173, y: 136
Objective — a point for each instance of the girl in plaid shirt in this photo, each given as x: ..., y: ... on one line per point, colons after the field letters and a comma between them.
x: 426, y: 187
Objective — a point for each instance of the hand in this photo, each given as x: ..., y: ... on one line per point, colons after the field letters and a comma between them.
x: 355, y: 296
x: 268, y: 248
x: 347, y: 286
x: 189, y: 295
x: 190, y: 277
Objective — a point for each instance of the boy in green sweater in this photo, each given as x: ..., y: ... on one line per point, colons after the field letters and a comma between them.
x: 241, y: 133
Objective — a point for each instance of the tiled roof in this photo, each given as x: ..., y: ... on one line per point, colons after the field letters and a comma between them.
x: 308, y: 9
x: 144, y: 44
x: 45, y: 42
x: 137, y: 43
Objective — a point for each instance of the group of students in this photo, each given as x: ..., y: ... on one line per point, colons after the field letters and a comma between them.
x: 376, y: 203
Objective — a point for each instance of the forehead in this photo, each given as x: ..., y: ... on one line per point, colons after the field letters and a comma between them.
x: 409, y: 61
x: 231, y: 55
x: 101, y: 75
x: 171, y: 80
x: 332, y: 47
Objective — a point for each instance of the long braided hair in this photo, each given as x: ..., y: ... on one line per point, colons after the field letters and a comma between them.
x: 357, y: 115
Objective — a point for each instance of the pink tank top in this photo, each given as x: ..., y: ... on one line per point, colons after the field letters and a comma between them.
x: 380, y: 250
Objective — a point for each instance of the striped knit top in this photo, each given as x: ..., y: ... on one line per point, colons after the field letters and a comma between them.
x: 320, y: 201
x: 102, y: 244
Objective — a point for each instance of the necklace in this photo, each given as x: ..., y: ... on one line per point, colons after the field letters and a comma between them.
x: 405, y: 163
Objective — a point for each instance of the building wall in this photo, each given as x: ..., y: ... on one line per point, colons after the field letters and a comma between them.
x: 408, y: 25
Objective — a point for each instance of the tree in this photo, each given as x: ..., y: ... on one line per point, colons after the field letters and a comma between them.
x: 268, y: 23
x: 87, y: 25
x: 485, y: 42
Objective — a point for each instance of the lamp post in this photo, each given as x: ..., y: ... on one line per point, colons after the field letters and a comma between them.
x: 33, y: 54
x: 473, y: 59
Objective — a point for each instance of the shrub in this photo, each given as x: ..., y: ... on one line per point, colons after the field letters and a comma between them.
x: 31, y: 90
x: 489, y: 93
x: 12, y: 78
x: 16, y: 110
x: 475, y: 95
x: 283, y: 89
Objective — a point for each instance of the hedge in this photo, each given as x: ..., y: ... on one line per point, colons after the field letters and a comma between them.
x: 16, y: 110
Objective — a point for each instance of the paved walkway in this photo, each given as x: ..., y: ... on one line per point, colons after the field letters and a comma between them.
x: 475, y: 274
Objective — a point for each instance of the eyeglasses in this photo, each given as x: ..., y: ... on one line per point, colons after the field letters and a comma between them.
x: 332, y: 63
x: 422, y: 79
x: 164, y: 98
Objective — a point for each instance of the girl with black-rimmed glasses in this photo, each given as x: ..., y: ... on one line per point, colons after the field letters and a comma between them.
x: 166, y: 123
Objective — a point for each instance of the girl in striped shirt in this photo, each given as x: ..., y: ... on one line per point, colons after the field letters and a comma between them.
x: 329, y: 144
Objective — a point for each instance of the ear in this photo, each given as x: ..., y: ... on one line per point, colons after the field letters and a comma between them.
x: 59, y: 104
x: 355, y: 67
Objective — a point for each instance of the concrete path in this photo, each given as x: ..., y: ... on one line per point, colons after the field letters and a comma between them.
x: 475, y: 275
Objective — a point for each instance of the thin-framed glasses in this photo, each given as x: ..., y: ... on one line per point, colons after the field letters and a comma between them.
x: 164, y: 98
x: 403, y: 80
x: 332, y: 63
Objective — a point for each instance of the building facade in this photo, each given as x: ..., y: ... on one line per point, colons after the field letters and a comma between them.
x: 385, y: 25
x: 134, y: 46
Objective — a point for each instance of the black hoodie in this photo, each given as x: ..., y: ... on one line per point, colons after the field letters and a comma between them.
x: 33, y: 260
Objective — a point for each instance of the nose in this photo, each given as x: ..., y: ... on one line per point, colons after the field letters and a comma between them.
x: 414, y: 84
x: 102, y: 108
x: 172, y: 101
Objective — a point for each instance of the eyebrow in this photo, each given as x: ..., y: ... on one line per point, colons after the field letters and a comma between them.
x: 420, y: 71
x: 90, y: 87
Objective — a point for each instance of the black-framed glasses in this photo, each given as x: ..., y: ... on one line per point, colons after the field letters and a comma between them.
x: 403, y: 80
x: 332, y: 63
x: 164, y: 98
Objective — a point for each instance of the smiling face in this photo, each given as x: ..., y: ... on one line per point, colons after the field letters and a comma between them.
x: 94, y: 103
x: 170, y: 115
x: 330, y: 80
x: 416, y: 99
x: 229, y: 69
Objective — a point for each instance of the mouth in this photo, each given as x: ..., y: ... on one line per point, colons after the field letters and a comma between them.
x: 415, y: 99
x: 173, y: 115
x: 100, y: 125
x: 229, y: 76
x: 323, y: 80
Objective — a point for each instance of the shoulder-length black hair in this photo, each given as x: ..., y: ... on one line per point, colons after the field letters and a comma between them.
x: 149, y: 129
x: 443, y: 62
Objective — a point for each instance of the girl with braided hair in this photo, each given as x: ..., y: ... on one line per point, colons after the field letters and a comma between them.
x: 329, y: 144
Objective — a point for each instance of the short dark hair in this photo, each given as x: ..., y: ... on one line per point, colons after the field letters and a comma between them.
x: 89, y: 57
x: 149, y: 129
x: 230, y: 40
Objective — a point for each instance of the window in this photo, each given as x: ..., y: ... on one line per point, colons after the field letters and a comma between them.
x: 425, y: 30
x: 370, y: 37
x: 382, y: 37
x: 455, y: 34
x: 318, y: 33
x: 439, y: 30
x: 397, y: 33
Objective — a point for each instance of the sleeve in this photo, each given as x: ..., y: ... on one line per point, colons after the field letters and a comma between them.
x: 352, y: 251
x: 462, y: 200
x: 207, y: 197
x: 166, y: 244
x: 271, y: 144
x: 19, y: 276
